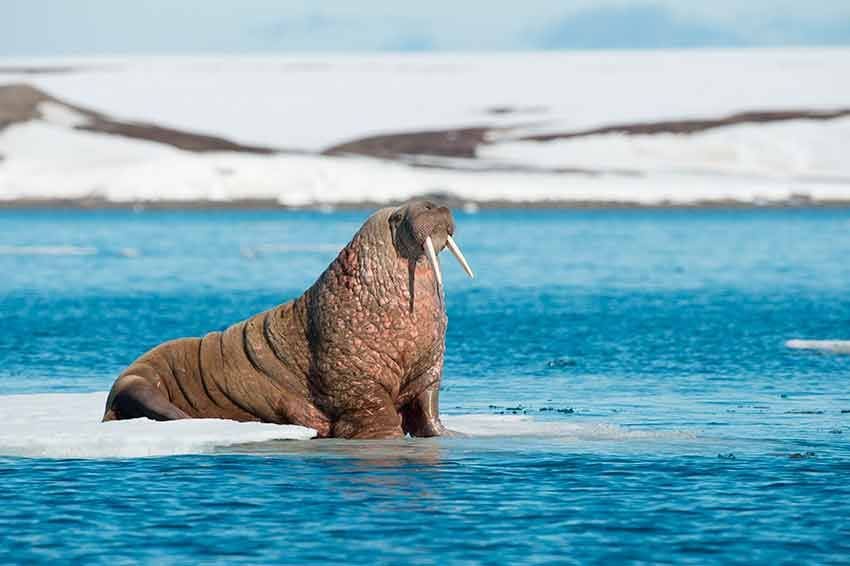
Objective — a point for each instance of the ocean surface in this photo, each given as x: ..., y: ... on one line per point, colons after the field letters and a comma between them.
x: 631, y: 367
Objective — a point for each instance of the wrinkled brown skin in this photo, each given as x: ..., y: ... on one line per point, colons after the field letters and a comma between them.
x: 358, y: 355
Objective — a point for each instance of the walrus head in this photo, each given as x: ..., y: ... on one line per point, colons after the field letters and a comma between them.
x: 423, y: 229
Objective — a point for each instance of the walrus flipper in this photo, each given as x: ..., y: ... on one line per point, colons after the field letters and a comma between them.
x: 134, y: 397
x: 421, y: 416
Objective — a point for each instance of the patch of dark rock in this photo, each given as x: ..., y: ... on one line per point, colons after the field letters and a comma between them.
x: 472, y: 165
x: 802, y: 455
x: 500, y: 110
x: 696, y: 125
x: 20, y: 103
x: 463, y: 142
x: 460, y: 142
x: 518, y: 410
x: 177, y: 138
x: 504, y: 110
x: 34, y: 70
x: 563, y: 410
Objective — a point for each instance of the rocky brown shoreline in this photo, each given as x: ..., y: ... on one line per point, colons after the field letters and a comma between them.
x: 464, y: 142
x: 20, y: 103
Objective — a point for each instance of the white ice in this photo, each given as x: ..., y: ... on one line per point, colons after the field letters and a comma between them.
x: 47, y: 250
x: 524, y: 425
x: 311, y: 102
x: 46, y: 161
x: 832, y: 346
x: 67, y: 425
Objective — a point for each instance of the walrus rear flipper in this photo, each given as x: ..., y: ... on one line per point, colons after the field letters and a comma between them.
x: 134, y: 397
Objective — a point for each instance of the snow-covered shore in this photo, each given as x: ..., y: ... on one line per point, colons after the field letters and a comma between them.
x: 300, y: 106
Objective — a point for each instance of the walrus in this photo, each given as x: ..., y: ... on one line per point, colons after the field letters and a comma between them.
x: 358, y: 355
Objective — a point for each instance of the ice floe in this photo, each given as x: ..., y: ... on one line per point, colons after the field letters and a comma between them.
x: 832, y: 346
x: 524, y: 425
x: 67, y: 425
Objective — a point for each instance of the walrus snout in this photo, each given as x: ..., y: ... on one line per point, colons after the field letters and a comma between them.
x: 424, y: 228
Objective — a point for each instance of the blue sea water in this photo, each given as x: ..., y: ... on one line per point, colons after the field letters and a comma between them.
x: 670, y: 323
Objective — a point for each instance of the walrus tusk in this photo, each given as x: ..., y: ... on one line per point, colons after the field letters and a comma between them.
x: 432, y: 259
x: 450, y: 242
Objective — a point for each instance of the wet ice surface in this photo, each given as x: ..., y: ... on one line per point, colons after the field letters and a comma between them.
x: 623, y: 379
x: 67, y: 425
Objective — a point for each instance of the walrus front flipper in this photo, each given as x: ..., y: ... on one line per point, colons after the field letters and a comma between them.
x: 421, y: 416
x: 133, y: 397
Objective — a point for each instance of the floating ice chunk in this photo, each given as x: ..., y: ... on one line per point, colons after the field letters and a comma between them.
x: 522, y: 425
x: 47, y: 250
x: 833, y: 346
x: 68, y: 426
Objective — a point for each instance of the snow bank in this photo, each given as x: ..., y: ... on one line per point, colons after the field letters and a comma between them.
x: 311, y: 103
x: 68, y: 426
x: 793, y: 150
x: 48, y: 161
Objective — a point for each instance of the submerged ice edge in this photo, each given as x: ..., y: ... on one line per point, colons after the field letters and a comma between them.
x: 66, y: 425
x: 831, y: 346
x: 57, y: 250
x: 512, y: 426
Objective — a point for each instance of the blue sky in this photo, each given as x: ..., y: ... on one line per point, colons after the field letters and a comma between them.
x: 74, y: 27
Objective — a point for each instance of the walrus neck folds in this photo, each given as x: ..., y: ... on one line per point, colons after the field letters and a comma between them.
x: 387, y: 264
